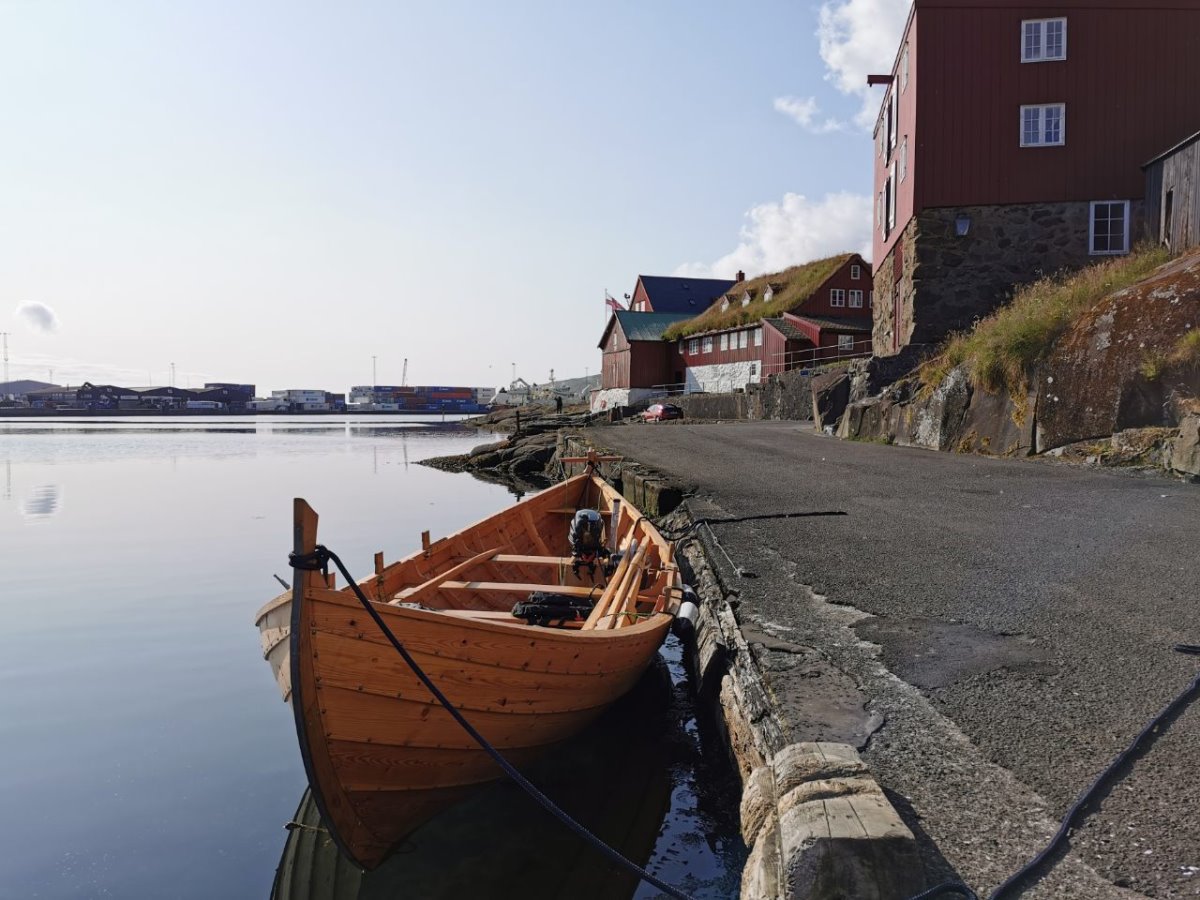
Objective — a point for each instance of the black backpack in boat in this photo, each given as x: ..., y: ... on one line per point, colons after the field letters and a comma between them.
x: 542, y: 608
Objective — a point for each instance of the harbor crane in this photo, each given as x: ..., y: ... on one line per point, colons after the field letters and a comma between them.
x: 404, y: 374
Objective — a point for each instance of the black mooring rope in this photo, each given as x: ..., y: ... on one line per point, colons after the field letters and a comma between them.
x: 320, y: 558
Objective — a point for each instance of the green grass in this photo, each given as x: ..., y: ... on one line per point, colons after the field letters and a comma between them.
x: 798, y: 284
x: 1186, y: 352
x: 1002, y: 350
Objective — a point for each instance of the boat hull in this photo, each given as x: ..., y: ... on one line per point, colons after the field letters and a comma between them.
x: 383, y: 756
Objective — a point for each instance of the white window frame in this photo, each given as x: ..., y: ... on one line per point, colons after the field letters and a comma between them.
x: 1092, y: 228
x: 856, y: 299
x: 725, y: 341
x: 1038, y: 53
x: 893, y: 119
x: 837, y: 296
x: 870, y: 299
x: 757, y: 337
x: 904, y: 69
x: 694, y: 347
x: 1041, y: 124
x: 891, y: 210
x: 903, y: 157
x: 706, y: 345
x: 743, y: 339
x: 845, y: 342
x: 855, y: 272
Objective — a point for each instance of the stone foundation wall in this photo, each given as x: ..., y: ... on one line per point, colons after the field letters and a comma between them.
x: 731, y: 376
x: 948, y: 281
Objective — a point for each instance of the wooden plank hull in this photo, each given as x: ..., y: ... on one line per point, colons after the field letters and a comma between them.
x: 382, y: 755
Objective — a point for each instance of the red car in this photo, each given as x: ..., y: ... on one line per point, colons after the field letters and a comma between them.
x: 660, y: 412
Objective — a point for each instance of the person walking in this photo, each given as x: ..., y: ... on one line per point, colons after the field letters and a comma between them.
x: 558, y: 403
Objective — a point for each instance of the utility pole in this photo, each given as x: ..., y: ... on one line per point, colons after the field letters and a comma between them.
x: 4, y: 334
x: 404, y: 374
x: 172, y: 374
x: 374, y: 377
x: 514, y: 365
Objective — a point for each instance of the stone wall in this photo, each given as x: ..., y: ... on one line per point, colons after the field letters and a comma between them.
x: 886, y: 282
x: 611, y: 398
x: 948, y: 281
x: 715, y: 406
x: 729, y: 376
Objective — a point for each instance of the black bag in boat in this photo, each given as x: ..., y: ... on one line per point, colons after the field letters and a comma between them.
x: 541, y: 608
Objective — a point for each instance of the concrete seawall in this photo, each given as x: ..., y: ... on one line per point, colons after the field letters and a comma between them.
x: 817, y: 824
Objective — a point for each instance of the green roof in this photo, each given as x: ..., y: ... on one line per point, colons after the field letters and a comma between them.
x: 647, y: 326
x: 793, y: 287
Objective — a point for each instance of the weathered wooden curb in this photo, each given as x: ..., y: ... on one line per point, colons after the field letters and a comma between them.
x: 817, y: 824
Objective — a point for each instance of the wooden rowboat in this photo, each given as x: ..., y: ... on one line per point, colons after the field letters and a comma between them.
x: 381, y: 755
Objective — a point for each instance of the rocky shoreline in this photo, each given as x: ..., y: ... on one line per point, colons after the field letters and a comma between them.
x: 524, y: 461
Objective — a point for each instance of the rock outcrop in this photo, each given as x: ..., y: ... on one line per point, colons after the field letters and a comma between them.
x: 1114, y: 368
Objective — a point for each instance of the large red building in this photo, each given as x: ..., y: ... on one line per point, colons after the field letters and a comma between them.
x: 1009, y: 145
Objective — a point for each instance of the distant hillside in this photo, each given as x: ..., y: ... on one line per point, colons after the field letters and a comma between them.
x: 18, y: 388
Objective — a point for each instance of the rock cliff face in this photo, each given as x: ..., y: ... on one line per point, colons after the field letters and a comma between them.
x: 1113, y: 369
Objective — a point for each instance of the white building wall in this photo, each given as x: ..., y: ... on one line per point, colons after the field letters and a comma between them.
x: 722, y: 377
x: 610, y: 397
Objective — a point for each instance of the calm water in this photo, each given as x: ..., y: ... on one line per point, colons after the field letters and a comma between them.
x: 145, y: 751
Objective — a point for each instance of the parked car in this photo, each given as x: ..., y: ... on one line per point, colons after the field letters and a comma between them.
x: 660, y: 412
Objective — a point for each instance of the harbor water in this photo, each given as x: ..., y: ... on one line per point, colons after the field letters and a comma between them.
x: 146, y: 751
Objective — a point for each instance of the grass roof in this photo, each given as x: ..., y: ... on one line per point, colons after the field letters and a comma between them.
x: 792, y: 287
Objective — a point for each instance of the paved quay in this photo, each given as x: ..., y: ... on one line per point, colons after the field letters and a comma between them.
x: 991, y: 632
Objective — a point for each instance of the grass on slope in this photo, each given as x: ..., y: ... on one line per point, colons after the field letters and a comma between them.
x: 1001, y: 351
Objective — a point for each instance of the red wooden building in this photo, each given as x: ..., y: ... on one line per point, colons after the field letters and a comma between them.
x: 1009, y: 145
x: 637, y: 361
x: 807, y: 314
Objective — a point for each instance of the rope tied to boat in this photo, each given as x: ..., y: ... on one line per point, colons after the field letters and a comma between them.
x: 318, y: 560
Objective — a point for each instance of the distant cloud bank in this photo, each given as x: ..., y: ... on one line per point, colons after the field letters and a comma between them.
x: 791, y: 231
x: 37, y: 316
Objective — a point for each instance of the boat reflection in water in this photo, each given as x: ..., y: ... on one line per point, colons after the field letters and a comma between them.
x: 615, y: 778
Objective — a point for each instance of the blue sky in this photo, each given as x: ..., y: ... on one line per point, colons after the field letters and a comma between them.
x: 275, y: 192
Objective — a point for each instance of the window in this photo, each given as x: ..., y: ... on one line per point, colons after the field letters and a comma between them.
x: 837, y: 297
x: 725, y: 304
x: 893, y: 125
x: 757, y: 337
x: 706, y: 345
x: 1044, y: 126
x: 891, y: 190
x: 768, y: 294
x: 746, y: 299
x: 1043, y: 40
x: 904, y: 69
x: 879, y: 214
x: 845, y: 342
x: 856, y: 299
x: 870, y: 299
x: 856, y: 272
x: 743, y: 339
x: 1108, y: 233
x: 693, y: 347
x: 904, y: 157
x: 725, y: 342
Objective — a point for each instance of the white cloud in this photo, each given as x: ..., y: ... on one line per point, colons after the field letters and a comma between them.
x: 37, y: 316
x: 805, y: 112
x: 858, y: 38
x: 792, y: 231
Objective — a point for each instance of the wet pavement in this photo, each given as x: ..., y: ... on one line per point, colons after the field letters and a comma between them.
x: 1010, y: 623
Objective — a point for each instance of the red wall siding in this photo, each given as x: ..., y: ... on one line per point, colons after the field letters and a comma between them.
x: 818, y: 304
x: 1129, y: 83
x: 636, y: 364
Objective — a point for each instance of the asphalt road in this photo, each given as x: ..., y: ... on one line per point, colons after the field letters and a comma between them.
x: 1011, y: 622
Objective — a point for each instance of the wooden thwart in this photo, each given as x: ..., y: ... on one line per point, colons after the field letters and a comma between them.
x: 412, y: 595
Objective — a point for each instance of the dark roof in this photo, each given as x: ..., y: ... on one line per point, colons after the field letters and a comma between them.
x: 670, y: 294
x: 838, y: 323
x: 1177, y: 147
x: 787, y: 329
x: 642, y: 326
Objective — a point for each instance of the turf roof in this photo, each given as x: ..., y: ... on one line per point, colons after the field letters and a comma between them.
x: 793, y: 287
